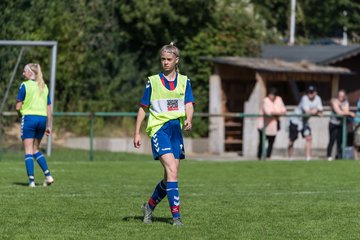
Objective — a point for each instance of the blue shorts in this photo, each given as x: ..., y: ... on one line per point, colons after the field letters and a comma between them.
x: 33, y: 126
x: 168, y: 140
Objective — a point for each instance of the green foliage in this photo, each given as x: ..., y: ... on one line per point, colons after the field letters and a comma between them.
x: 107, y: 48
x: 314, y: 18
x: 234, y: 31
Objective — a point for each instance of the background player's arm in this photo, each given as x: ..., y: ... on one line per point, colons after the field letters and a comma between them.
x: 18, y: 106
x: 189, y: 110
x: 20, y: 98
x: 140, y: 118
x: 49, y: 121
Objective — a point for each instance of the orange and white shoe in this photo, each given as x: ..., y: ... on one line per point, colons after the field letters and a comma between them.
x: 48, y: 181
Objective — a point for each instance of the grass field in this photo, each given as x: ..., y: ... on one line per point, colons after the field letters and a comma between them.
x: 230, y: 200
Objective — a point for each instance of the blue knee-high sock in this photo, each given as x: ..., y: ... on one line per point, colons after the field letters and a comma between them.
x: 158, y: 195
x: 174, y: 198
x: 42, y: 163
x: 29, y: 163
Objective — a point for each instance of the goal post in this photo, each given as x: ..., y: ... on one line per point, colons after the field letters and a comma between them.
x: 53, y: 45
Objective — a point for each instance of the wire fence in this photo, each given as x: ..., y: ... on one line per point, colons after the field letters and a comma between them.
x: 92, y: 116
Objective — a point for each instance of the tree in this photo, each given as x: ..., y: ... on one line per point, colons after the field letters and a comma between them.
x: 315, y: 18
x: 234, y: 31
x: 107, y: 48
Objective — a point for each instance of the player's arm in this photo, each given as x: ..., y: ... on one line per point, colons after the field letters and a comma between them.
x: 140, y: 118
x: 144, y: 105
x: 48, y: 121
x: 189, y: 110
x: 20, y: 98
x: 189, y: 106
x: 18, y: 106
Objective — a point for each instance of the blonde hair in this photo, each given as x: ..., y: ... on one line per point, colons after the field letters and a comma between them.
x: 171, y: 48
x: 36, y: 70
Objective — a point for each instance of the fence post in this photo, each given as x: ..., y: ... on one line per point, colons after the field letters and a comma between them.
x: 92, y: 119
x: 263, y: 140
x: 344, y: 138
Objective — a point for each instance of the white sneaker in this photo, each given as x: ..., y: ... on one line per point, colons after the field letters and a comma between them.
x: 330, y: 159
x: 32, y: 184
x: 308, y: 158
x: 48, y: 181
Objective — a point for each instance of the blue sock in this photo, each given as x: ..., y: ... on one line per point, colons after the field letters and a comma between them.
x: 29, y: 163
x: 42, y: 163
x: 158, y: 195
x: 174, y: 198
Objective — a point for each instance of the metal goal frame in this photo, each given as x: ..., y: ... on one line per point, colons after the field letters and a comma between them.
x: 53, y: 45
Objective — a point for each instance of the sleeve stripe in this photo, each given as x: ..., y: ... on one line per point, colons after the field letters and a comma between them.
x: 143, y: 105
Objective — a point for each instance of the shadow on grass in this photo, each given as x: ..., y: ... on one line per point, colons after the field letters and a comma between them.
x: 25, y: 184
x: 21, y: 184
x: 140, y: 219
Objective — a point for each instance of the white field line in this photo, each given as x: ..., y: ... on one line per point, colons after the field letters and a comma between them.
x: 279, y: 193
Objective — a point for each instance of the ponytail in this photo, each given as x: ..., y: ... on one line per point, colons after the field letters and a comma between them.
x: 36, y: 70
x: 39, y: 78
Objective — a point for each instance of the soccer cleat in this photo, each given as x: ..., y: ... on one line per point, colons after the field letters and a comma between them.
x: 148, y: 213
x: 177, y: 222
x: 32, y: 184
x: 329, y: 159
x: 48, y: 181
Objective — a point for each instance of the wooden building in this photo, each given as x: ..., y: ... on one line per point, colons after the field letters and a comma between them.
x: 325, y: 55
x: 239, y: 84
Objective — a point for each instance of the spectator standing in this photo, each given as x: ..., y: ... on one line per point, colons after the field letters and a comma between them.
x: 339, y: 109
x: 272, y: 105
x: 310, y: 104
x: 357, y: 130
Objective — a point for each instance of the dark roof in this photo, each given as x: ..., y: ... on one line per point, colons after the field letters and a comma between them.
x: 275, y: 65
x: 319, y: 54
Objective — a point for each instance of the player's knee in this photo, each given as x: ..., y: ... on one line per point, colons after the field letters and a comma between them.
x: 171, y: 173
x: 35, y: 150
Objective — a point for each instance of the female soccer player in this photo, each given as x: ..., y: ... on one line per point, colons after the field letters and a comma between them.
x: 33, y: 103
x: 168, y: 96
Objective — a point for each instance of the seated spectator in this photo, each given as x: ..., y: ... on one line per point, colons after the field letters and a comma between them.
x: 272, y: 105
x: 309, y: 104
x: 339, y: 108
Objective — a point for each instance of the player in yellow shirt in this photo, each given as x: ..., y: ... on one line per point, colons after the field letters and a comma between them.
x: 33, y: 103
x: 168, y: 96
